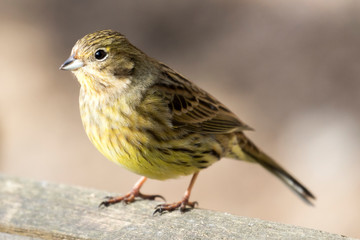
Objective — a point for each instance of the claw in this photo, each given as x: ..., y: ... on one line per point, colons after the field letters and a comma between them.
x: 182, y: 206
x: 103, y: 204
x: 151, y: 197
x: 128, y: 198
x: 108, y: 201
x: 157, y: 211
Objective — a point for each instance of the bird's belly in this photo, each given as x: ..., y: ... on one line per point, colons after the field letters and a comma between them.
x: 160, y: 161
x: 126, y: 140
x: 137, y: 152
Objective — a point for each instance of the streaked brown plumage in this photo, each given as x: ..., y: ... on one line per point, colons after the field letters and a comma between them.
x: 145, y: 116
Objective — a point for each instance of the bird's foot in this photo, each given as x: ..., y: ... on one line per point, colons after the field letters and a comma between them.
x: 181, y: 205
x: 128, y: 198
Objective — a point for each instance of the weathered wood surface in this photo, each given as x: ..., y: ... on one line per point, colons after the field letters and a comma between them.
x: 42, y: 210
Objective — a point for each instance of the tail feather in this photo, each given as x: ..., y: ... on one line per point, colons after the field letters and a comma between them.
x: 256, y: 155
x: 298, y: 188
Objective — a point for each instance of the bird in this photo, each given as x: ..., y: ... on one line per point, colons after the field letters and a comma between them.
x: 141, y: 114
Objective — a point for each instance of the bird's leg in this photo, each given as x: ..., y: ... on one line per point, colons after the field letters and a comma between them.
x: 130, y: 197
x: 161, y: 208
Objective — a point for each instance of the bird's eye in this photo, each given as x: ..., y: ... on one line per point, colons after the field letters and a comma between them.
x: 100, y: 54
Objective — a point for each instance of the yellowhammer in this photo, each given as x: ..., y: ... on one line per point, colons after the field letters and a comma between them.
x: 143, y: 115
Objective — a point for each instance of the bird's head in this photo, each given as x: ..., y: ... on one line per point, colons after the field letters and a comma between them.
x: 102, y: 60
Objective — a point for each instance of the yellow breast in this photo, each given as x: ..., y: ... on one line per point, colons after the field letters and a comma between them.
x: 146, y: 146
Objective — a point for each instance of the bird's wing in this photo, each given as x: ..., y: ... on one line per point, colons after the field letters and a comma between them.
x: 194, y: 109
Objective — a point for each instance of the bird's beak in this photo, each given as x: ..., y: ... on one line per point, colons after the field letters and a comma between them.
x: 71, y: 64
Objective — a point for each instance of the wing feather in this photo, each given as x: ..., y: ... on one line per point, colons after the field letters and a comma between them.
x: 193, y: 108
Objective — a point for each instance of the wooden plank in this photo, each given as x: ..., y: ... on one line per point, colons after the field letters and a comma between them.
x: 55, y: 211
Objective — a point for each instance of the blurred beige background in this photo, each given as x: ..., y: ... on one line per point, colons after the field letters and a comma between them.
x: 290, y: 69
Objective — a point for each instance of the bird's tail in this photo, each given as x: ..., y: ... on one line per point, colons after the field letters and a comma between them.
x: 250, y: 152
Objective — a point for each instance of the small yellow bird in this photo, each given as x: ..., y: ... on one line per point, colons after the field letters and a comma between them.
x: 143, y: 115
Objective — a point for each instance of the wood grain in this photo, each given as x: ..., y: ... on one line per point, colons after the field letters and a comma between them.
x: 33, y: 210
